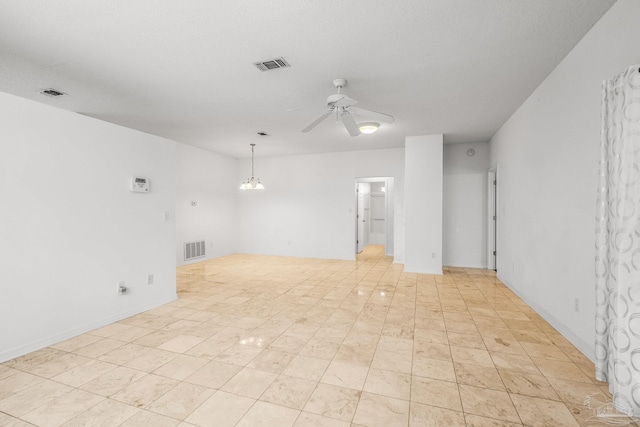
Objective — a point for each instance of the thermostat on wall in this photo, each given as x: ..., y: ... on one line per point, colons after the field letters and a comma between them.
x: 139, y: 185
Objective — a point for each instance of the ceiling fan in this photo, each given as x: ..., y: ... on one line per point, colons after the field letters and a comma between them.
x: 344, y: 108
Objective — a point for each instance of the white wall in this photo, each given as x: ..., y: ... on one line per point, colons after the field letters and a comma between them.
x: 376, y: 187
x: 308, y: 207
x: 70, y: 229
x: 210, y: 180
x: 548, y: 166
x: 423, y: 204
x: 377, y: 214
x: 464, y: 205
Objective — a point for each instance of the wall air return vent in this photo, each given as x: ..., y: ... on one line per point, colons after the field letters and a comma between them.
x: 52, y: 92
x: 194, y: 250
x: 272, y: 64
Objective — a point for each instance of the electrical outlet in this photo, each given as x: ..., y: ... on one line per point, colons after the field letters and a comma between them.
x: 122, y: 289
x: 433, y: 255
x: 150, y: 279
x: 576, y: 305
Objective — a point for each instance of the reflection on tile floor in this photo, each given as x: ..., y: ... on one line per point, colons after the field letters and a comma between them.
x: 277, y: 341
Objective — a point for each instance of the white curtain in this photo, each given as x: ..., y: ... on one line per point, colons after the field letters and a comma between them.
x: 618, y: 242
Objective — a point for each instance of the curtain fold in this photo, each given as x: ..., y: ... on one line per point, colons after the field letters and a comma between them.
x: 617, y: 272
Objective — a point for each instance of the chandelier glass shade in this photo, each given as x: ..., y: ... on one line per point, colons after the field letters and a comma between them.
x: 252, y: 183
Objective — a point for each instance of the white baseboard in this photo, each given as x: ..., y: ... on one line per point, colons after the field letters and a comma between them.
x: 23, y: 349
x: 464, y: 265
x: 585, y: 348
x: 420, y: 270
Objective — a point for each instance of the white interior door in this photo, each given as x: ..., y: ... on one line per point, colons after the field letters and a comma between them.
x: 361, y: 221
x: 366, y: 235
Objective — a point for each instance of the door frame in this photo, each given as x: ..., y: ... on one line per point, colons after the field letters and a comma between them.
x: 355, y: 216
x: 389, y: 182
x: 493, y: 196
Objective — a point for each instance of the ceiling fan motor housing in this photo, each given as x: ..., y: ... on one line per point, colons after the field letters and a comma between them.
x: 332, y: 99
x: 340, y: 99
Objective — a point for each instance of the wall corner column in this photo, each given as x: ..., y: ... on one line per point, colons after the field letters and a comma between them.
x: 423, y: 204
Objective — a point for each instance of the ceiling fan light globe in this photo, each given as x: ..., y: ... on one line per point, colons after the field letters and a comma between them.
x: 368, y: 127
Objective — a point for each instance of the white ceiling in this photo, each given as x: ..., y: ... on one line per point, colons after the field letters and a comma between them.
x: 183, y: 69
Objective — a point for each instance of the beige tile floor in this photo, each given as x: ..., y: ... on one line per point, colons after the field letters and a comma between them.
x: 277, y: 341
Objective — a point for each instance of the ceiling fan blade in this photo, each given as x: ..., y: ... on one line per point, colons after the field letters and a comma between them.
x: 350, y: 124
x: 317, y: 121
x: 374, y: 115
x: 288, y: 110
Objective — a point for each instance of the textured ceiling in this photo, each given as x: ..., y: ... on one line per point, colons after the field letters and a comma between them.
x: 183, y: 69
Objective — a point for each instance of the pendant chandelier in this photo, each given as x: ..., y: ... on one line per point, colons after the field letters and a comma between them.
x: 252, y: 183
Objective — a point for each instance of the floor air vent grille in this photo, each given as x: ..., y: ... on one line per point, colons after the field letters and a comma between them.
x: 194, y: 250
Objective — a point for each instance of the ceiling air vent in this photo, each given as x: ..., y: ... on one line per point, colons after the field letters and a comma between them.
x: 272, y: 64
x: 52, y: 92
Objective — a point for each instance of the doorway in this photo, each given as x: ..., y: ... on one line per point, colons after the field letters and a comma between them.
x: 374, y: 213
x: 492, y: 218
